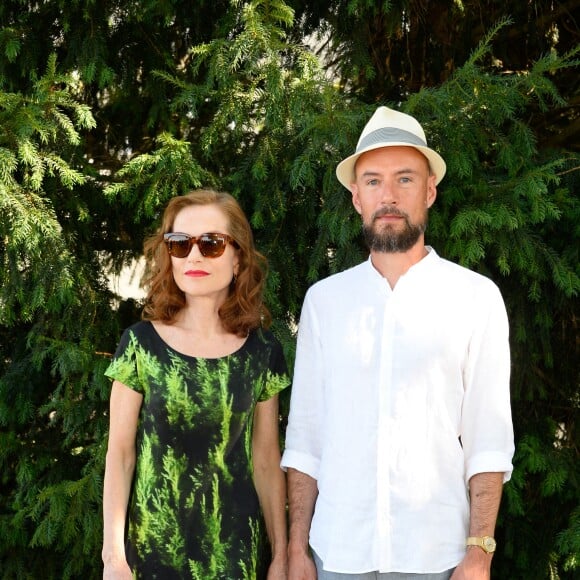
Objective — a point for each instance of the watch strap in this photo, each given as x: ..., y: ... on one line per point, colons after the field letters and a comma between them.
x: 486, y: 543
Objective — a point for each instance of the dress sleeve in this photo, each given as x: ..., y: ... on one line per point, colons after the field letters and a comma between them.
x: 277, y: 378
x: 124, y: 366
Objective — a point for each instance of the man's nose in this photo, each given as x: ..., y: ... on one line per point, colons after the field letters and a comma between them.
x: 388, y: 194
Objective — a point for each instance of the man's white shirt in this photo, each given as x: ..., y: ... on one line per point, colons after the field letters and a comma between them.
x: 399, y: 397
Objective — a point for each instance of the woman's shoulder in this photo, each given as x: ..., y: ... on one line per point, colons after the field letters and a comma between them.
x: 140, y: 334
x: 140, y: 329
x: 263, y: 336
x: 265, y: 341
x: 261, y: 340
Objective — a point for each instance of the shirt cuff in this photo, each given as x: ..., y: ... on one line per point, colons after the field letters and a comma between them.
x: 489, y: 462
x: 302, y: 462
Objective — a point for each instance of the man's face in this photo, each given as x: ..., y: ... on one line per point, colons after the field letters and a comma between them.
x: 392, y: 192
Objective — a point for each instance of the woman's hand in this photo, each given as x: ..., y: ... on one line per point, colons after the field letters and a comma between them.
x: 117, y: 571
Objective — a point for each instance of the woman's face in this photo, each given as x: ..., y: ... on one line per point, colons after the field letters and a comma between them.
x: 198, y: 276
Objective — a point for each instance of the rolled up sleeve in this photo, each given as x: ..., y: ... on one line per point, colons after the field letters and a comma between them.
x: 302, y: 449
x: 487, y: 430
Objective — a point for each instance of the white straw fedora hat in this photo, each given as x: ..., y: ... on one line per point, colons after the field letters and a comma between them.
x: 390, y: 128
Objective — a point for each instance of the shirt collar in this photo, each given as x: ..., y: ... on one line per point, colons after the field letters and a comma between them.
x: 429, y: 261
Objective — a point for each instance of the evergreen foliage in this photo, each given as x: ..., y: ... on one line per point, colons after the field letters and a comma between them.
x: 109, y: 110
x: 51, y: 382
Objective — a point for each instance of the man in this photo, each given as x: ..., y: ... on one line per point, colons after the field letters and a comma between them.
x: 400, y: 434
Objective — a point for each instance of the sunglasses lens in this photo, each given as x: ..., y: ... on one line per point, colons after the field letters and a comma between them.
x: 212, y: 245
x: 179, y: 246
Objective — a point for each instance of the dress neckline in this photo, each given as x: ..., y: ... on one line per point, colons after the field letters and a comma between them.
x: 237, y: 351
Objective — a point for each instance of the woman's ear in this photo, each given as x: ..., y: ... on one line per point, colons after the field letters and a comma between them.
x: 237, y: 263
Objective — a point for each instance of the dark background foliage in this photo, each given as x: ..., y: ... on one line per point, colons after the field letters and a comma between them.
x: 109, y: 108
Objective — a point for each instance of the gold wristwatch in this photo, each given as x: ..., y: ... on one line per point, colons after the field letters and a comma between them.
x: 486, y: 543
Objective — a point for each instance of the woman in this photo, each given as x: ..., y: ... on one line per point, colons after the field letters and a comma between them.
x: 193, y: 444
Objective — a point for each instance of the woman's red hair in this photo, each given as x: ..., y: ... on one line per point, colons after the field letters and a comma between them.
x: 243, y: 309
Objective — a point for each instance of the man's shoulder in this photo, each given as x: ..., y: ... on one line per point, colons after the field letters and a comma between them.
x: 340, y: 281
x: 462, y: 278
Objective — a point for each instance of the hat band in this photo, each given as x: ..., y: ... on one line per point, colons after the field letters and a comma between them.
x: 389, y: 134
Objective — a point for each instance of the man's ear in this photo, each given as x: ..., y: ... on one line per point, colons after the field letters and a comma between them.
x: 431, y: 191
x: 355, y: 198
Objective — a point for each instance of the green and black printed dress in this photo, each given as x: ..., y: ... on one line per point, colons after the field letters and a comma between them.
x: 194, y: 512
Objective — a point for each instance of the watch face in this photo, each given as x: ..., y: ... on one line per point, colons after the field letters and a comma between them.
x: 489, y: 544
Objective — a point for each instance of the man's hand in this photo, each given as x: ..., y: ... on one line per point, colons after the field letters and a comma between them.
x: 300, y: 566
x: 475, y: 566
x: 302, y: 494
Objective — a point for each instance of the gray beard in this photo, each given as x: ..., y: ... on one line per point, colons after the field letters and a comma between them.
x: 388, y: 240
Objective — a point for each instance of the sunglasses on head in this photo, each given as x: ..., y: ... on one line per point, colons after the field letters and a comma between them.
x: 210, y: 245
